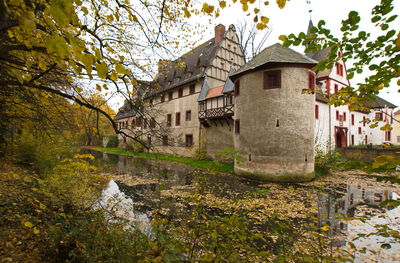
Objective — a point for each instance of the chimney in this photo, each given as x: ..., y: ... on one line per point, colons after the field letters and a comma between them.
x: 219, y: 33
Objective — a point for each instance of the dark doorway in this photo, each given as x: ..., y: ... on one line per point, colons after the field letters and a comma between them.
x: 341, y: 138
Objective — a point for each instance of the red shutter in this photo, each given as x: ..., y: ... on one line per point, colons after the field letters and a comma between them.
x: 337, y: 115
x: 311, y: 81
x: 344, y: 116
x: 316, y: 112
x: 352, y: 119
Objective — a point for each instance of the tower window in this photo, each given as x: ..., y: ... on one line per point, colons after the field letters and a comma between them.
x: 272, y: 79
x: 237, y: 126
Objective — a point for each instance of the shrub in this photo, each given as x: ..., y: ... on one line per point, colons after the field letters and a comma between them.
x: 201, y: 154
x: 326, y: 162
x: 112, y: 141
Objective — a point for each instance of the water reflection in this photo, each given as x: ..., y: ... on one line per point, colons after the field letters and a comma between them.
x: 141, y: 179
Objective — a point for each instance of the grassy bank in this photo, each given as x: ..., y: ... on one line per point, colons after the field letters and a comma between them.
x: 215, y: 166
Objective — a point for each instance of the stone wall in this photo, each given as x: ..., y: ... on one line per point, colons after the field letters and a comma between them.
x: 366, y: 155
x: 276, y: 139
x: 218, y: 136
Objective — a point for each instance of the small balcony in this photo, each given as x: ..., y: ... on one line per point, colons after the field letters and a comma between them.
x: 216, y: 113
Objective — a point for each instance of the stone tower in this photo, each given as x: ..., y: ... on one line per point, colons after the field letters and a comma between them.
x: 274, y: 116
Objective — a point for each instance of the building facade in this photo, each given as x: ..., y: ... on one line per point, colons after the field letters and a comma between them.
x: 272, y: 112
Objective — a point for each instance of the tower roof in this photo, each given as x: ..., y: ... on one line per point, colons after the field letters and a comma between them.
x: 275, y: 54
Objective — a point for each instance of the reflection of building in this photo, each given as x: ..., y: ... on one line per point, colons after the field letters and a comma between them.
x: 332, y: 209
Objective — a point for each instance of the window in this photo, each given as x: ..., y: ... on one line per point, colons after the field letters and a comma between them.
x: 352, y: 119
x: 169, y: 120
x: 229, y: 99
x: 165, y: 140
x: 311, y: 82
x: 162, y: 99
x: 177, y: 118
x: 316, y: 112
x: 189, y: 140
x: 272, y: 79
x: 180, y: 93
x: 188, y: 115
x: 344, y: 116
x: 337, y: 115
x: 359, y: 130
x: 366, y: 139
x: 339, y: 69
x: 237, y: 126
x: 336, y: 88
x: 378, y: 116
x: 170, y: 95
x: 202, y: 105
x: 364, y: 121
x: 192, y: 89
x: 237, y: 87
x: 352, y: 139
x: 388, y: 136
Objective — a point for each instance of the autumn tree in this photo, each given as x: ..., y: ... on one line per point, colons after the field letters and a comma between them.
x: 379, y: 54
x: 90, y: 125
x: 52, y: 46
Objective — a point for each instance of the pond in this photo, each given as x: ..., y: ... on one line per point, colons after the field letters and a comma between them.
x: 166, y: 188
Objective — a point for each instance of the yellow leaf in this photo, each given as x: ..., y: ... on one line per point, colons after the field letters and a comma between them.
x: 102, y: 70
x: 186, y: 12
x: 207, y: 8
x: 398, y: 40
x: 282, y: 38
x: 222, y: 4
x: 264, y: 20
x: 36, y: 231
x: 110, y: 18
x: 28, y: 224
x: 245, y: 7
x: 281, y: 3
x: 325, y: 228
x: 98, y: 87
x: 256, y: 10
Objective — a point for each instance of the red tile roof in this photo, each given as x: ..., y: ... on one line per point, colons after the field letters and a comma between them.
x: 397, y: 112
x: 215, y: 92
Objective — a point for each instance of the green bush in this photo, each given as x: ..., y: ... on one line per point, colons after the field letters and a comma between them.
x: 201, y: 154
x: 326, y: 162
x: 40, y: 152
x: 112, y: 141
